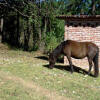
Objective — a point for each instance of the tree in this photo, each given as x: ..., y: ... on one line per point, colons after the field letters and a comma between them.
x: 32, y: 23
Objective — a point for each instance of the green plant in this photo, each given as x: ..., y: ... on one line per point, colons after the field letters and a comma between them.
x: 51, y: 42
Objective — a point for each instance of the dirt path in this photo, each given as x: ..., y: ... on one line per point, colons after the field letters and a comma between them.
x: 51, y: 95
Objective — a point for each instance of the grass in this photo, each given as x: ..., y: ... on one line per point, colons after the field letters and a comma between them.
x: 25, y: 76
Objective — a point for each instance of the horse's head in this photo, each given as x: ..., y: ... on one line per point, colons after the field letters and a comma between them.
x: 51, y: 60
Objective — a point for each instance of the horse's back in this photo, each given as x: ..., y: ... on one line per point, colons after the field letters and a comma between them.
x: 78, y: 49
x: 79, y: 45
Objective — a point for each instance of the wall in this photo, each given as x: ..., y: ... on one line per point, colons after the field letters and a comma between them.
x: 82, y: 31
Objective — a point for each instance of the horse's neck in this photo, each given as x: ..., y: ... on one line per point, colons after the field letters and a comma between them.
x: 57, y: 52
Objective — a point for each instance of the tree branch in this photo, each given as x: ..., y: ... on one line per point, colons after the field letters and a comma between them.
x: 15, y: 9
x: 4, y: 4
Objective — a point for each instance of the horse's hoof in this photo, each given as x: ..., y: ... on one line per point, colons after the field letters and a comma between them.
x: 72, y: 71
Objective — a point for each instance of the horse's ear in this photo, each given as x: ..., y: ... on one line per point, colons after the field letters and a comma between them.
x: 48, y: 53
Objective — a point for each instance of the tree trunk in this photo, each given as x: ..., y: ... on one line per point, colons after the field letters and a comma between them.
x: 26, y: 36
x: 42, y: 44
x: 17, y: 36
x: 2, y: 23
x: 93, y: 7
x: 40, y: 37
x: 45, y: 28
x: 2, y: 39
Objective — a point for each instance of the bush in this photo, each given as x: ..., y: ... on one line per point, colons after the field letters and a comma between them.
x: 51, y: 42
x: 56, y: 36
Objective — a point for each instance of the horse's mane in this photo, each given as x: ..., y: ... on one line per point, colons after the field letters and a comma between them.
x: 59, y: 49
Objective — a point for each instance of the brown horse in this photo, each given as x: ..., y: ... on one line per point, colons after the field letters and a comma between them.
x: 76, y: 50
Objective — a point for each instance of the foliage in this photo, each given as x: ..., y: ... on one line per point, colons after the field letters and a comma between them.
x: 51, y: 41
x: 54, y: 37
x: 34, y: 24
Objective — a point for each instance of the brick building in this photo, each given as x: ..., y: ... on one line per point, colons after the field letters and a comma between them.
x: 82, y: 28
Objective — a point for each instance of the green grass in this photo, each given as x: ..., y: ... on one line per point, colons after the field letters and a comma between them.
x: 31, y: 80
x: 14, y: 91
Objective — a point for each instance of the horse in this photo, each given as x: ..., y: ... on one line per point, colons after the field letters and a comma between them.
x: 77, y: 50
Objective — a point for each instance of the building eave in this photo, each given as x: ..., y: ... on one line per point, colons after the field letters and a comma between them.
x: 79, y: 17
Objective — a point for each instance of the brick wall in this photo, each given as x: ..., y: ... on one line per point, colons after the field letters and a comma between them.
x: 82, y: 31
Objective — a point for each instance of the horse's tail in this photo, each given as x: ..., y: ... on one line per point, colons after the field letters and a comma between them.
x: 96, y: 66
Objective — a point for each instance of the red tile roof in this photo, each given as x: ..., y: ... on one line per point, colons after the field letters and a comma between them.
x: 79, y: 17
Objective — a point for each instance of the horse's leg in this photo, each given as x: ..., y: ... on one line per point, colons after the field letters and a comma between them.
x: 90, y: 65
x: 70, y: 63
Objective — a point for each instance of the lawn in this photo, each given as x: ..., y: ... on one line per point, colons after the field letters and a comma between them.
x: 26, y: 76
